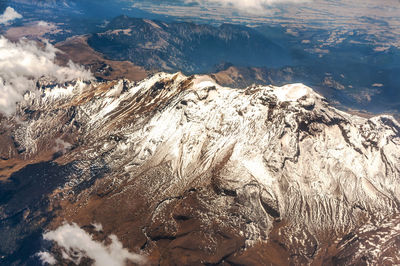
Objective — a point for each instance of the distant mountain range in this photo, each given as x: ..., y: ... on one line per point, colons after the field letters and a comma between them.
x: 186, y: 47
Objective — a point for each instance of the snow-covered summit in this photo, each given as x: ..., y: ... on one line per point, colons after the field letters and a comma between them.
x: 273, y: 163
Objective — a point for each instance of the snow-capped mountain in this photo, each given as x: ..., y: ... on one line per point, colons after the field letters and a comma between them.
x: 185, y: 171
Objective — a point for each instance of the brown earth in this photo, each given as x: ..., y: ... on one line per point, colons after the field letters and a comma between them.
x: 78, y: 51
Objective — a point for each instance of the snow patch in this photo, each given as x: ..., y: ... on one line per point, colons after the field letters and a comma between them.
x: 152, y: 23
x: 98, y: 227
x: 62, y: 146
x: 291, y: 92
x: 204, y: 81
x: 257, y: 169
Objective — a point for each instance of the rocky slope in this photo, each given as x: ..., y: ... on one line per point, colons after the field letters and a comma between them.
x: 184, y: 171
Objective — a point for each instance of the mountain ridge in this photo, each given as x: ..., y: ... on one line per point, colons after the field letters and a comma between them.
x: 190, y: 167
x: 183, y: 46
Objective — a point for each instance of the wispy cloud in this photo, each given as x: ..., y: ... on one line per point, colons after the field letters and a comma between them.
x: 23, y: 63
x: 77, y: 243
x: 9, y: 15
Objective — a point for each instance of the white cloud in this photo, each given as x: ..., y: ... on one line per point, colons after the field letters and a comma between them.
x: 249, y: 6
x: 23, y: 63
x: 9, y: 15
x: 76, y: 244
x: 42, y: 23
x: 46, y: 258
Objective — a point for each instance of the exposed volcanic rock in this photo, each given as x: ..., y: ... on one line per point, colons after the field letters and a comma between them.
x: 375, y: 243
x: 188, y: 172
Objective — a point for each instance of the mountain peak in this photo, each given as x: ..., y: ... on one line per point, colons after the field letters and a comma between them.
x: 279, y: 160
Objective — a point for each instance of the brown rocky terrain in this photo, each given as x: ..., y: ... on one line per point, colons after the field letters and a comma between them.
x: 77, y: 50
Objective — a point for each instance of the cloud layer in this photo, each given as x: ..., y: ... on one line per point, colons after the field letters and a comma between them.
x: 9, y: 15
x: 76, y: 244
x: 250, y: 6
x: 23, y: 63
